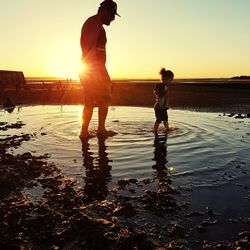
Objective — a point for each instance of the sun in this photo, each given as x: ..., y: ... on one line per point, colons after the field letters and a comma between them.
x: 63, y: 62
x: 83, y: 68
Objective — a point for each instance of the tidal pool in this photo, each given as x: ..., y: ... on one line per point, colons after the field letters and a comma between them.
x: 197, y: 152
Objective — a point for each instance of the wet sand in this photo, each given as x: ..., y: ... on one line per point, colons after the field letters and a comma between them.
x: 131, y: 216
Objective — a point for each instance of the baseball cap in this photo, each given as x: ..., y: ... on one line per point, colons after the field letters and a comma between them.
x: 110, y: 5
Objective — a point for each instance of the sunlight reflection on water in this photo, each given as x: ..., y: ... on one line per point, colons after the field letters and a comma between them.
x: 196, y: 153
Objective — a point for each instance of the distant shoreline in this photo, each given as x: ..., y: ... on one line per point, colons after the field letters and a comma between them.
x: 142, y: 79
x: 196, y: 94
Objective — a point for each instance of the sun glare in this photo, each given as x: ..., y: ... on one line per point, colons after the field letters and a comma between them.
x: 63, y: 63
x: 83, y: 68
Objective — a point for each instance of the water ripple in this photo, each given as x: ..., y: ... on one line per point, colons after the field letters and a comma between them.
x: 200, y: 149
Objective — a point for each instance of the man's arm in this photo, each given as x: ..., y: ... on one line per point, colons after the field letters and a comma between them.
x: 89, y: 36
x: 89, y: 44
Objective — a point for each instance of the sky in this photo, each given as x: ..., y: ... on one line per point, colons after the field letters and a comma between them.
x: 193, y: 38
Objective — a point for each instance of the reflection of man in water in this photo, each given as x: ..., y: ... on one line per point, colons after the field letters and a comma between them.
x: 96, y: 80
x: 97, y: 170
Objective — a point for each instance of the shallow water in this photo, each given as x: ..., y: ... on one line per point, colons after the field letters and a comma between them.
x: 203, y: 149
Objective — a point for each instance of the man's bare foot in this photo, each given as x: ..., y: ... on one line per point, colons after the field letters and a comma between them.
x: 85, y: 134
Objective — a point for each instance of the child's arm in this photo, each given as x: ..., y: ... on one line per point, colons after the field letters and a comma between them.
x: 155, y: 90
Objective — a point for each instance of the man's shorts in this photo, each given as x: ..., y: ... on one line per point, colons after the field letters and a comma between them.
x: 97, y: 92
x: 161, y: 115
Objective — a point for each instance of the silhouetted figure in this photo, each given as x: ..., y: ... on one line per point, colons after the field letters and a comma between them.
x: 8, y: 105
x: 97, y: 170
x: 96, y: 80
x: 161, y: 94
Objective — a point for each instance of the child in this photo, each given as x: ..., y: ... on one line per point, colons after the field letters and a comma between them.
x: 161, y: 94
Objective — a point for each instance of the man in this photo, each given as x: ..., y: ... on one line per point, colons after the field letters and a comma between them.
x: 95, y: 79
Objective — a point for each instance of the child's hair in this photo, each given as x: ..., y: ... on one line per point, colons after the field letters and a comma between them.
x: 166, y: 73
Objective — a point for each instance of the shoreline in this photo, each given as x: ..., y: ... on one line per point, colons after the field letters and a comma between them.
x: 203, y: 96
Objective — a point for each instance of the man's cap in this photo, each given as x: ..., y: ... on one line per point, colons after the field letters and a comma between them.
x: 110, y: 5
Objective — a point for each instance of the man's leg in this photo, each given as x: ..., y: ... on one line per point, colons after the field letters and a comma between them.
x: 86, y: 118
x: 102, y: 114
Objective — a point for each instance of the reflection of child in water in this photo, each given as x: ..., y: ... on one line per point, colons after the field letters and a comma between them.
x: 161, y: 94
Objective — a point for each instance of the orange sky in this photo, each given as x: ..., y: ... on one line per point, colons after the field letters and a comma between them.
x: 193, y: 38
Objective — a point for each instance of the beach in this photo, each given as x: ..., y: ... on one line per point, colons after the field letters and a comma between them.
x: 188, y: 189
x: 83, y: 162
x: 220, y: 95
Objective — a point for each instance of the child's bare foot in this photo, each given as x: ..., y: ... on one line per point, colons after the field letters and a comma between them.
x: 155, y: 132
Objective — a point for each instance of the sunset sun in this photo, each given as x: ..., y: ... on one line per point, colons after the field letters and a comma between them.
x: 61, y: 62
